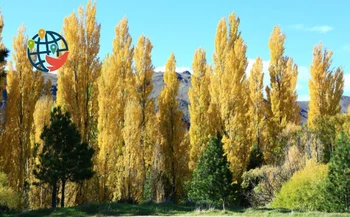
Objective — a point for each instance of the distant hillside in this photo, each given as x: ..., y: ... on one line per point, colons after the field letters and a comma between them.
x: 304, y: 107
x: 185, y: 83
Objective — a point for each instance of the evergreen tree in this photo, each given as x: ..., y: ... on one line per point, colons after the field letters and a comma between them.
x: 339, y: 175
x: 63, y: 157
x: 212, y: 178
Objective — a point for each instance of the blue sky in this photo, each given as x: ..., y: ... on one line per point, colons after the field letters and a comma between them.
x: 183, y: 26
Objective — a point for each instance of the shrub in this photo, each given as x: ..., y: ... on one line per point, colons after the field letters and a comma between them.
x: 261, y: 184
x: 9, y: 199
x: 305, y: 190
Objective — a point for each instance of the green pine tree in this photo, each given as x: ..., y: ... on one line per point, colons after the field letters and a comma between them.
x: 64, y: 157
x: 212, y: 179
x: 339, y: 175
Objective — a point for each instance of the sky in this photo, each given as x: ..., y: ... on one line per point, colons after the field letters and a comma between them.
x: 182, y: 26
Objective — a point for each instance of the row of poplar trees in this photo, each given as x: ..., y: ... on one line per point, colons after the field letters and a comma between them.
x: 143, y: 147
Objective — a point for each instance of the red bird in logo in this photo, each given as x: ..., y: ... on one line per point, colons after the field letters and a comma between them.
x: 56, y: 63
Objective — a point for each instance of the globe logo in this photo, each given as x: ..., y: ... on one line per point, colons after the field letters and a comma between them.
x: 47, y: 51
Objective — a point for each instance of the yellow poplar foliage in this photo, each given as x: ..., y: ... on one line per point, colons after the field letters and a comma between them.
x: 171, y: 133
x: 139, y: 126
x: 144, y: 86
x: 216, y: 74
x: 133, y: 159
x: 108, y: 131
x: 39, y: 196
x: 234, y: 106
x: 229, y: 93
x: 77, y: 79
x: 41, y: 117
x: 283, y: 78
x: 326, y: 86
x: 77, y: 86
x: 199, y: 105
x: 24, y: 88
x: 257, y: 106
x: 115, y: 87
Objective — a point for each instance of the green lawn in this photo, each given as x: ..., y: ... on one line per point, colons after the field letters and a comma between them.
x: 118, y: 209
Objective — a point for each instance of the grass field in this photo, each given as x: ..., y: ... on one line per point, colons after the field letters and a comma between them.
x: 118, y: 209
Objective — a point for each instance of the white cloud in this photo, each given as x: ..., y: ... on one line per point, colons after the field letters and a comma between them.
x: 304, y: 97
x: 319, y: 29
x: 178, y: 69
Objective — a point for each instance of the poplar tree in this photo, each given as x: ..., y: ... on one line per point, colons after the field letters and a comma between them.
x: 77, y: 83
x: 123, y: 54
x: 257, y: 107
x: 116, y: 86
x: 138, y: 129
x: 77, y: 79
x: 171, y: 134
x: 199, y: 106
x: 230, y: 94
x: 144, y: 87
x: 283, y: 78
x: 215, y: 76
x: 326, y: 86
x: 133, y: 154
x: 24, y: 88
x: 143, y: 71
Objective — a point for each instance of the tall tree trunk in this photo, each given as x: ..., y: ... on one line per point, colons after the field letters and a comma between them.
x: 62, y: 191
x: 173, y: 193
x: 54, y: 195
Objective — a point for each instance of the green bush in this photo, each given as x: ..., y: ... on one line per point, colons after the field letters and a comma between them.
x: 211, y: 184
x: 9, y: 199
x: 338, y: 187
x: 305, y: 190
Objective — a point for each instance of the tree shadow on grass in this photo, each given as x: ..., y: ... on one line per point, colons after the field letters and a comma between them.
x: 117, y: 209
